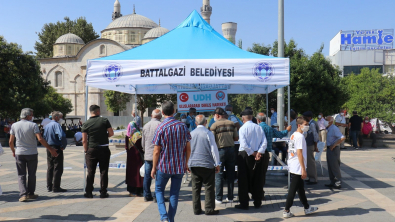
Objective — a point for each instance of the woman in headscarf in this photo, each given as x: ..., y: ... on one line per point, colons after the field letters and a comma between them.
x: 135, y: 159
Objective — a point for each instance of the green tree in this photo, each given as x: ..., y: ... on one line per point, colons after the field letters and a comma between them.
x: 21, y: 84
x: 371, y: 94
x: 52, y: 31
x: 53, y: 101
x: 116, y: 101
x: 145, y: 101
x: 240, y: 44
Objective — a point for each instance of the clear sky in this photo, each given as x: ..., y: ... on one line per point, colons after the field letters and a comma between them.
x: 309, y: 22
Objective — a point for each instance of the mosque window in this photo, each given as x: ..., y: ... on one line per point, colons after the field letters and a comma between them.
x: 118, y: 37
x: 132, y: 37
x: 60, y: 48
x: 58, y: 79
x: 102, y: 50
x: 69, y: 49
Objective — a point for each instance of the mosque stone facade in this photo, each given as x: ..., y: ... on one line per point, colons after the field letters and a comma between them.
x: 66, y: 70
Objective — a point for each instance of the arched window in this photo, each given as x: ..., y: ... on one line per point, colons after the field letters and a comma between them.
x: 69, y: 50
x: 58, y: 79
x: 132, y: 37
x: 102, y: 49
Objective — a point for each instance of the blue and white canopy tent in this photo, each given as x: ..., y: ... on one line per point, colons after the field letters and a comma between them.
x: 191, y: 57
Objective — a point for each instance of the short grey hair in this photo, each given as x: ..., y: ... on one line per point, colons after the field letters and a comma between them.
x: 261, y: 118
x: 26, y: 112
x: 157, y: 114
x: 200, y: 119
x: 56, y: 114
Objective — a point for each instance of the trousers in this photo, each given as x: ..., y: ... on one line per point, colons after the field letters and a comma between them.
x: 55, y: 168
x: 28, y: 162
x: 311, y: 168
x: 333, y: 161
x: 265, y: 164
x: 203, y: 176
x: 343, y: 131
x: 94, y: 156
x: 226, y: 156
x: 297, y: 185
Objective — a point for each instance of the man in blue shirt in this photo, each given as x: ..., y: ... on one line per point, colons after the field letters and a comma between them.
x: 191, y: 119
x: 273, y: 118
x: 56, y: 138
x: 270, y: 133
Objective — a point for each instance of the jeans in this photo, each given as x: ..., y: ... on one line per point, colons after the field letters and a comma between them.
x: 354, y: 135
x: 160, y: 185
x: 226, y: 156
x: 147, y: 179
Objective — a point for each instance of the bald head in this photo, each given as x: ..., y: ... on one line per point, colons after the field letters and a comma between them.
x: 156, y: 114
x: 200, y: 120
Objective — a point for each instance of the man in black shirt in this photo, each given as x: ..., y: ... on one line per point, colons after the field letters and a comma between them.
x: 97, y: 129
x: 355, y: 125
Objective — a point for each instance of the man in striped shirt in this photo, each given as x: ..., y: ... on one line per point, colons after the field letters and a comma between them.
x: 171, y: 154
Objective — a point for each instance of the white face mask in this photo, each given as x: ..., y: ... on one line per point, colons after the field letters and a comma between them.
x: 326, y: 123
x: 229, y: 112
x: 342, y: 114
x: 366, y: 121
x: 272, y: 111
x: 215, y: 119
x: 305, y: 128
x: 184, y: 120
x: 319, y: 116
x: 60, y: 120
x: 32, y: 119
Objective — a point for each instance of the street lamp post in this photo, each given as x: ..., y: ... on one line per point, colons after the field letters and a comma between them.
x: 280, y: 92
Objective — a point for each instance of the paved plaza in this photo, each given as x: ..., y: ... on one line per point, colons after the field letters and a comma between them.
x: 367, y: 194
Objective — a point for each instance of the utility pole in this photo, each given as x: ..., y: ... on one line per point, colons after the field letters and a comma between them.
x: 280, y: 92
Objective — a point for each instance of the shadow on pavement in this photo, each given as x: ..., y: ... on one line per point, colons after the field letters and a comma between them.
x: 70, y: 217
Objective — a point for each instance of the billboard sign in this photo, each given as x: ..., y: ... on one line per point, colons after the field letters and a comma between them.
x: 374, y: 39
x: 201, y: 101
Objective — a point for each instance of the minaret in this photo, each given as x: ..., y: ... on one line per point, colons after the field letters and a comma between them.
x: 229, y: 30
x: 206, y: 10
x: 117, y: 10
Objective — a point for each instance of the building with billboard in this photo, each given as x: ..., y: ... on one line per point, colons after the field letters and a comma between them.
x: 357, y: 49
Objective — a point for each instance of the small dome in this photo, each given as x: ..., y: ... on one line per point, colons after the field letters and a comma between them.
x: 156, y: 32
x: 132, y: 21
x: 69, y: 38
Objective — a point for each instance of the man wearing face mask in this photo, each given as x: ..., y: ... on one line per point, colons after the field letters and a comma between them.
x: 191, y: 119
x: 367, y: 132
x: 273, y: 118
x: 333, y: 139
x: 322, y: 124
x: 54, y: 135
x: 183, y: 118
x: 340, y: 122
x: 311, y: 141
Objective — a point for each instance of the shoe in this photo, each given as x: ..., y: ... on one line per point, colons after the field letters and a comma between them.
x: 287, y: 214
x: 59, y: 190
x: 336, y: 187
x: 104, y: 195
x: 146, y: 199
x: 356, y: 148
x: 23, y: 199
x: 329, y: 185
x: 311, y: 183
x: 257, y: 206
x: 49, y: 189
x: 88, y: 195
x: 228, y: 201
x: 239, y: 206
x: 32, y: 196
x: 310, y: 210
x: 374, y: 146
x: 198, y: 212
x: 164, y: 220
x: 218, y: 202
x: 214, y: 212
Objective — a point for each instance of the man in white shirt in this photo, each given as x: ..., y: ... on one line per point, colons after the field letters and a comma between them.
x: 252, y: 146
x: 340, y: 122
x: 297, y: 162
x: 322, y: 124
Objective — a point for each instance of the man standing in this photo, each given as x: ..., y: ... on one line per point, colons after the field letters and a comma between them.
x: 355, y: 124
x: 340, y: 122
x: 270, y: 133
x: 252, y: 146
x: 148, y: 146
x: 98, y: 129
x: 297, y: 169
x: 171, y: 154
x: 225, y: 134
x: 311, y: 141
x: 273, y: 118
x: 203, y: 164
x: 54, y: 135
x: 367, y: 132
x: 25, y: 132
x: 191, y: 119
x: 229, y: 110
x: 333, y: 139
x: 294, y: 126
x: 322, y: 128
x: 136, y: 119
x: 78, y: 138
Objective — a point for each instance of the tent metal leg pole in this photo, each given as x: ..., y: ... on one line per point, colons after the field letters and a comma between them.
x: 267, y: 105
x: 289, y: 123
x: 86, y: 118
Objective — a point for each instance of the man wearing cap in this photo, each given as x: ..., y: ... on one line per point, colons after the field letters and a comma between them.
x: 252, y: 146
x: 225, y: 133
x: 311, y: 142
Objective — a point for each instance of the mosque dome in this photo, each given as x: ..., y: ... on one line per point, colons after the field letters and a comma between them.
x: 69, y: 38
x: 132, y: 21
x: 156, y: 32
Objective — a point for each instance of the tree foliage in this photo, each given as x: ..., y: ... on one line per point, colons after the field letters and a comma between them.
x: 52, y: 31
x: 116, y: 101
x: 21, y: 84
x: 153, y: 100
x: 371, y: 94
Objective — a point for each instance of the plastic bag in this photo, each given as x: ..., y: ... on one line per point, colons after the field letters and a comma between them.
x: 142, y: 170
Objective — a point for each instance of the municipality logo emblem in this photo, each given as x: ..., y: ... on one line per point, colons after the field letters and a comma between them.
x: 263, y: 71
x: 112, y: 72
x: 220, y: 95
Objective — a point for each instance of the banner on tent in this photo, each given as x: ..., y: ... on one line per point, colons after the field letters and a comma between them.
x: 202, y: 101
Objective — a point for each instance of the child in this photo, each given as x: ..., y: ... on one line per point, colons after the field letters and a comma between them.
x: 296, y: 165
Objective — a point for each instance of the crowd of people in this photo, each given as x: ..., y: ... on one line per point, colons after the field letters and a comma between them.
x: 210, y: 152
